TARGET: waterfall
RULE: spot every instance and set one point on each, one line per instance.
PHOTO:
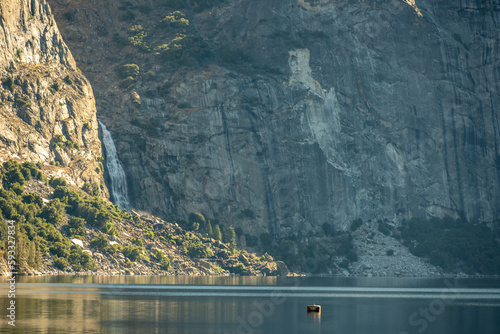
(115, 170)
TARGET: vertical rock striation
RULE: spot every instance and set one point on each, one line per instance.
(350, 109)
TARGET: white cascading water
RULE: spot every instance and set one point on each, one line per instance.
(115, 170)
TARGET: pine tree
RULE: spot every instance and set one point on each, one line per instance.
(22, 250)
(217, 234)
(38, 256)
(32, 254)
(209, 229)
(231, 238)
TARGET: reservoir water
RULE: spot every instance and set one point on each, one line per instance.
(219, 305)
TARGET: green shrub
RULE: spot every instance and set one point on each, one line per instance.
(32, 170)
(344, 264)
(189, 51)
(137, 242)
(128, 16)
(217, 233)
(91, 189)
(231, 238)
(60, 249)
(128, 70)
(8, 83)
(61, 263)
(77, 227)
(131, 252)
(184, 105)
(137, 38)
(33, 198)
(145, 9)
(53, 213)
(17, 188)
(68, 79)
(59, 181)
(12, 173)
(102, 243)
(165, 263)
(329, 229)
(149, 234)
(56, 86)
(197, 249)
(345, 245)
(158, 255)
(175, 21)
(109, 228)
(80, 260)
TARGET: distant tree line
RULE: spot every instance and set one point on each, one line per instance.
(455, 245)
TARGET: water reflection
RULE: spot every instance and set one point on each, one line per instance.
(125, 304)
(314, 318)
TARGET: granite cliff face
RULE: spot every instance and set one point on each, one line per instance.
(47, 106)
(324, 111)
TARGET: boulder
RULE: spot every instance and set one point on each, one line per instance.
(282, 268)
(77, 242)
(243, 259)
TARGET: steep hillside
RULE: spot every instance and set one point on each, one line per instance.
(56, 228)
(47, 106)
(281, 116)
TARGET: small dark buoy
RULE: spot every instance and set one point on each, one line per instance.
(314, 308)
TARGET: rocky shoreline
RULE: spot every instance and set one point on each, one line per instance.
(168, 239)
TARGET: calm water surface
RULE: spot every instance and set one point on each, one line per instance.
(219, 305)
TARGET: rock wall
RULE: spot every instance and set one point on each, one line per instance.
(47, 106)
(350, 109)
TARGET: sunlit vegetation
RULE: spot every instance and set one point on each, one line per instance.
(163, 260)
(133, 253)
(36, 223)
(68, 79)
(101, 243)
(39, 224)
(171, 38)
(137, 37)
(91, 189)
(45, 226)
(175, 21)
(185, 50)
